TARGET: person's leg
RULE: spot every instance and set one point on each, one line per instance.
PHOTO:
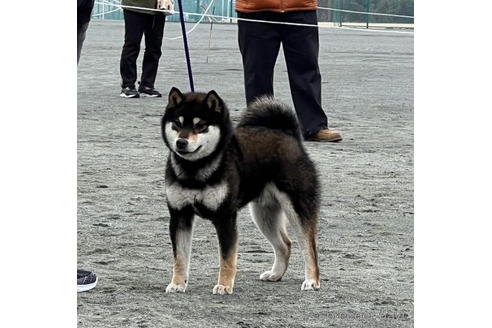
(259, 44)
(81, 29)
(86, 280)
(154, 31)
(301, 47)
(134, 29)
(84, 11)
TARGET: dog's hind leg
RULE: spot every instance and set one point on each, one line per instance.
(305, 227)
(308, 232)
(269, 218)
(181, 231)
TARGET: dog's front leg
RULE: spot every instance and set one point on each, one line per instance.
(181, 231)
(227, 235)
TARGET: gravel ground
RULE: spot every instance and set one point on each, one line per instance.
(366, 229)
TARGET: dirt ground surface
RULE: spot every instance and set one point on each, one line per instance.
(366, 229)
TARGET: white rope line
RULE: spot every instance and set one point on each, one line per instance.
(108, 3)
(194, 26)
(300, 24)
(262, 21)
(367, 30)
(105, 2)
(322, 8)
(364, 12)
(162, 11)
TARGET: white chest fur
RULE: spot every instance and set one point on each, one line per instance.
(211, 196)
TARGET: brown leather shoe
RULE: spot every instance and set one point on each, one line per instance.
(325, 135)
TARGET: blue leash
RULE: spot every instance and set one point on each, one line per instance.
(185, 42)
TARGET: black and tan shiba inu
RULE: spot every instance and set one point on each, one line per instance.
(213, 170)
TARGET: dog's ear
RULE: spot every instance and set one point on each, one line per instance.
(175, 97)
(214, 102)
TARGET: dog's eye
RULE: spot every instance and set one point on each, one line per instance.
(200, 127)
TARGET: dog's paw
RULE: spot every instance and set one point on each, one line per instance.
(310, 284)
(175, 288)
(222, 290)
(270, 276)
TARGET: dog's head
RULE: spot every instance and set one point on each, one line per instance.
(195, 125)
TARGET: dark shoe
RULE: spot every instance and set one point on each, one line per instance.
(325, 135)
(149, 92)
(129, 92)
(86, 280)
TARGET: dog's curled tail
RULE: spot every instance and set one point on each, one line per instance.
(267, 112)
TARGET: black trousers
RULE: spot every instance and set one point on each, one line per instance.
(81, 30)
(84, 10)
(260, 43)
(136, 25)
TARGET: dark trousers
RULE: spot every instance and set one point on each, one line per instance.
(136, 25)
(84, 10)
(81, 30)
(260, 43)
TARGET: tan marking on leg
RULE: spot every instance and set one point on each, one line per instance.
(227, 273)
(179, 280)
(180, 270)
(312, 268)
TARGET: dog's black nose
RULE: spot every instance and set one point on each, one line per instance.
(181, 144)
